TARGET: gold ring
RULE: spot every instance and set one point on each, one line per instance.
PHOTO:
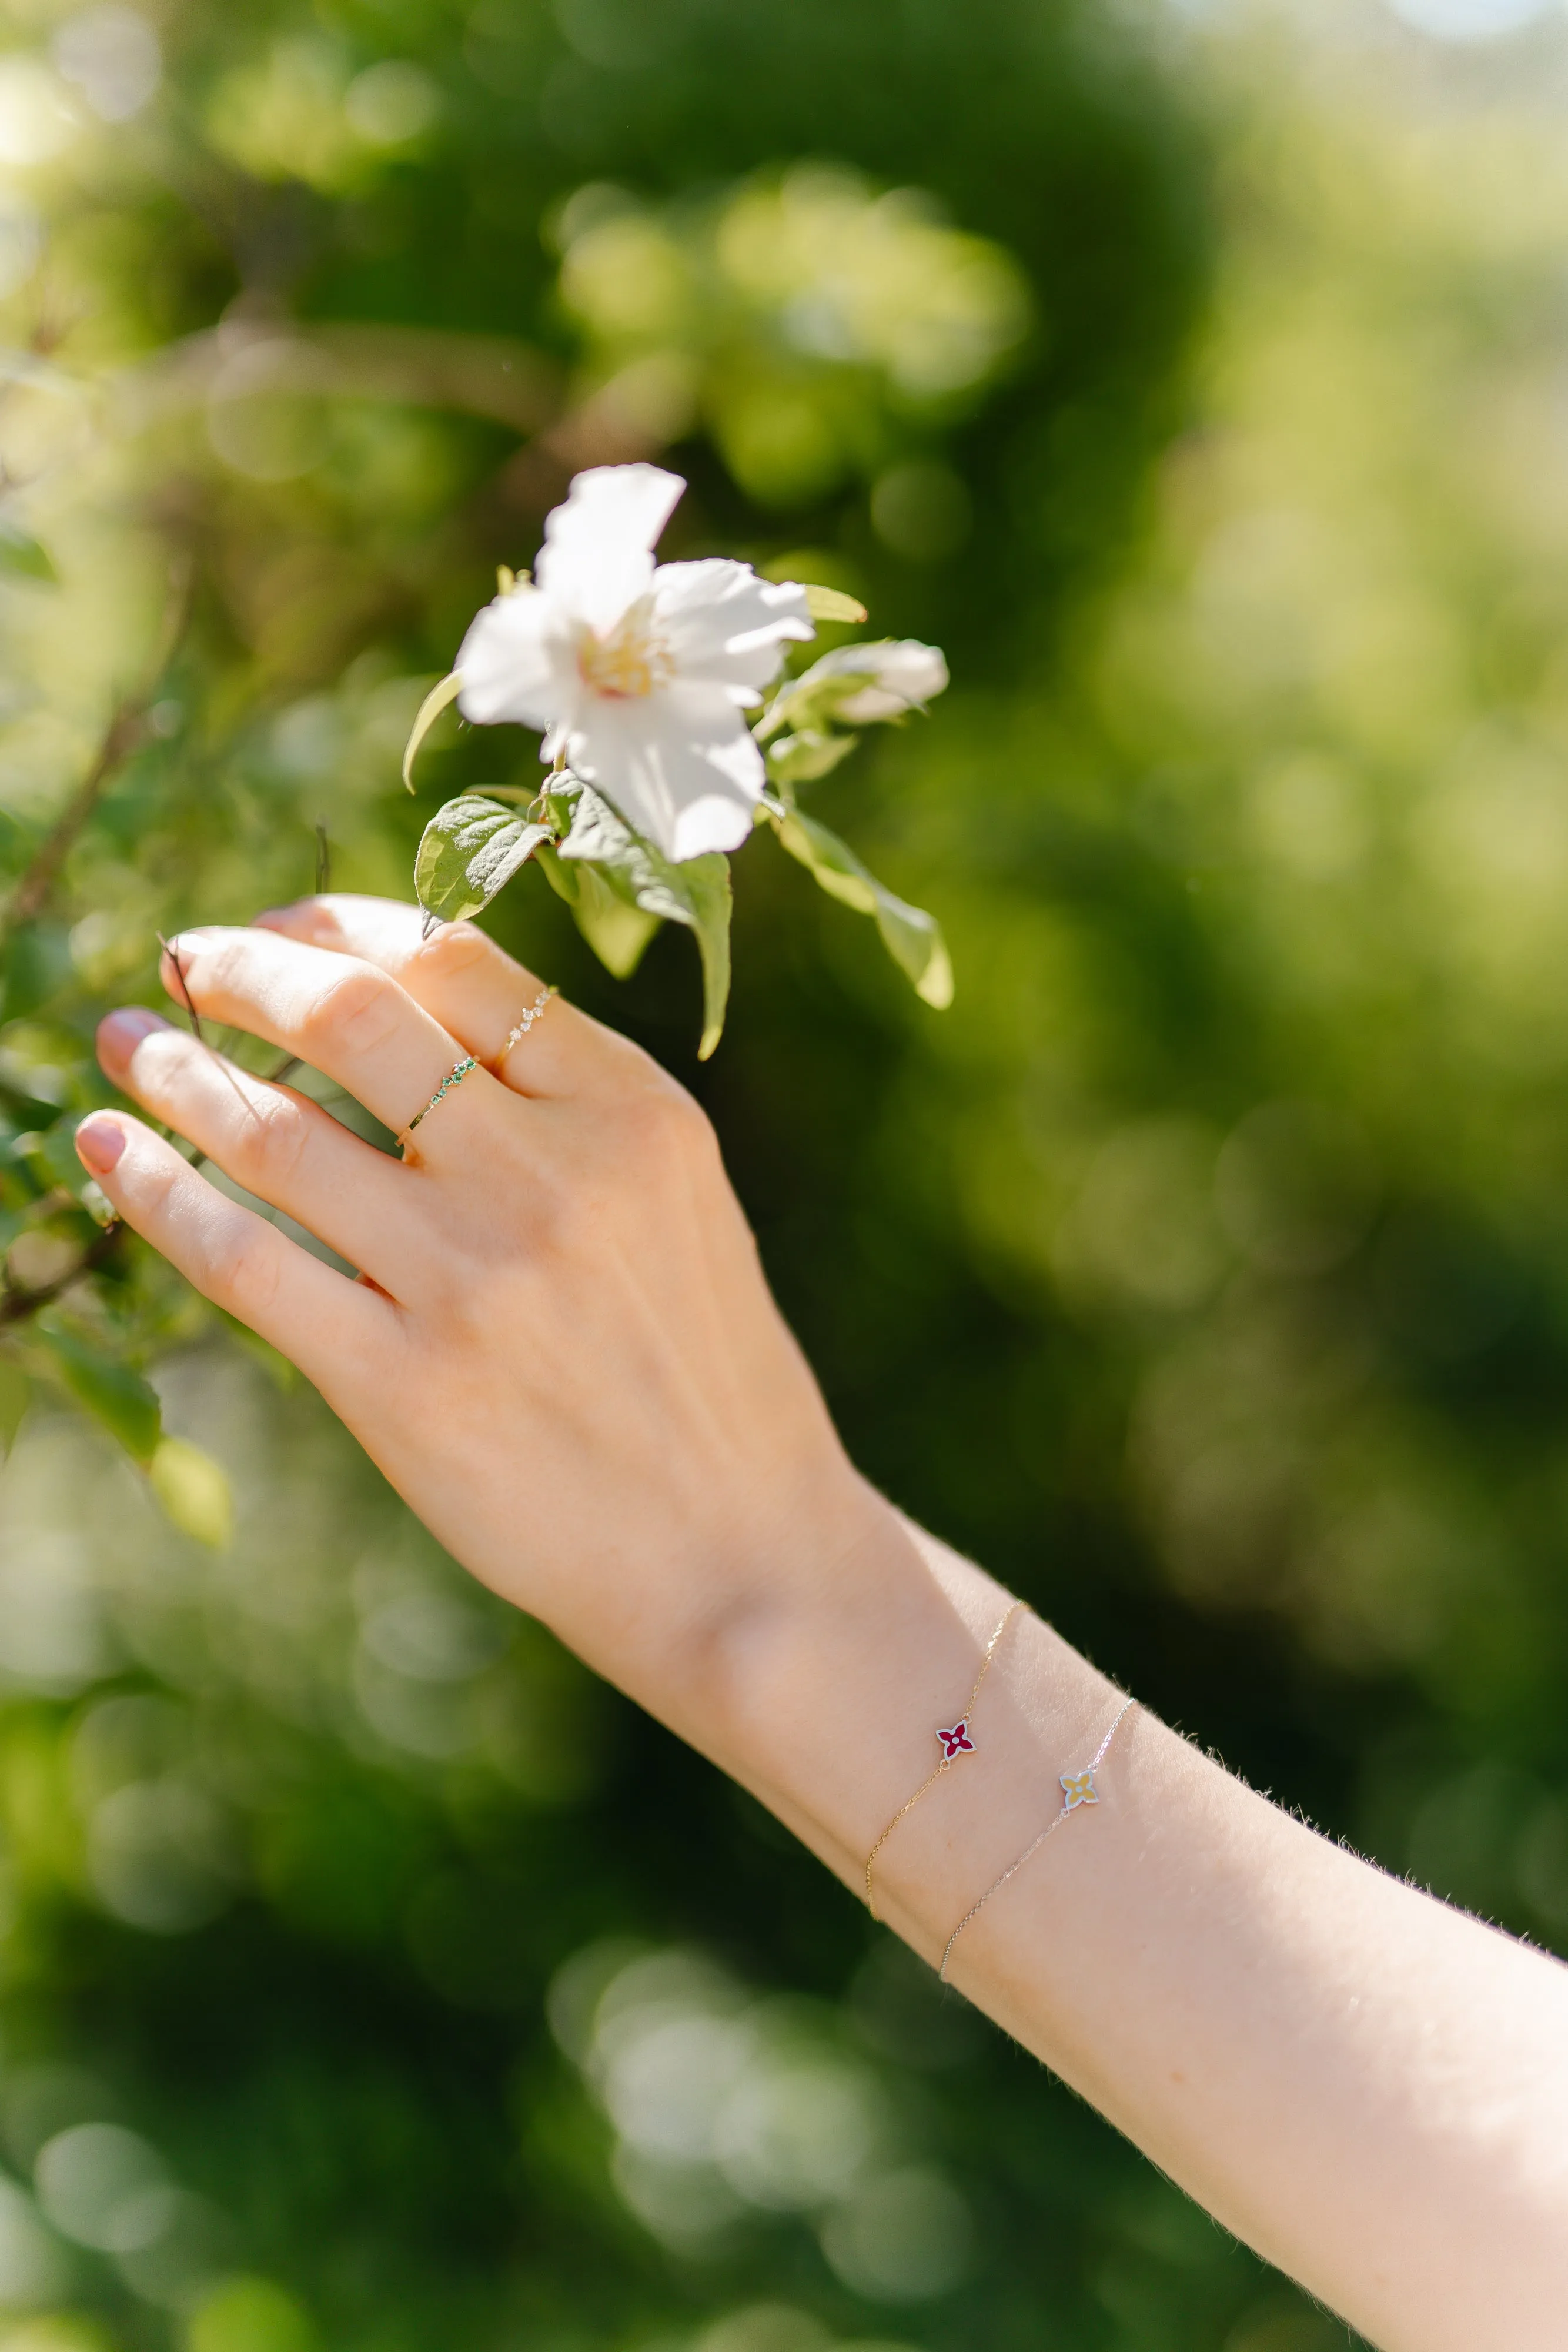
(536, 1011)
(454, 1077)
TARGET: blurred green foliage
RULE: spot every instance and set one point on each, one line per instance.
(369, 1978)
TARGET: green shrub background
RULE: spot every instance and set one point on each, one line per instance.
(370, 1978)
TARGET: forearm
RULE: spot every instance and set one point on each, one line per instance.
(1368, 2087)
(565, 1357)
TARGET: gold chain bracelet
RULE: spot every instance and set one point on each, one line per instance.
(955, 1742)
(1077, 1789)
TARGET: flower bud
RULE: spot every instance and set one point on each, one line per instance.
(899, 674)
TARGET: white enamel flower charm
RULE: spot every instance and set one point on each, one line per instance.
(638, 675)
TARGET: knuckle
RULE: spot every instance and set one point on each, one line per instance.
(159, 1064)
(357, 1009)
(452, 951)
(558, 1198)
(156, 1195)
(271, 1143)
(665, 1122)
(242, 1275)
(465, 1315)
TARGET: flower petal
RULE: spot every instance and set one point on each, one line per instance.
(718, 621)
(598, 555)
(680, 766)
(517, 663)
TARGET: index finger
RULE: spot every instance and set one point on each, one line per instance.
(343, 1016)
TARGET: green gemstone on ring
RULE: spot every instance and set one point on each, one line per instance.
(454, 1077)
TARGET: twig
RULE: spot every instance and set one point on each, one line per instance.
(323, 859)
(172, 950)
(122, 737)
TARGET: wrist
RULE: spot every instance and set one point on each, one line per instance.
(820, 1684)
(821, 1690)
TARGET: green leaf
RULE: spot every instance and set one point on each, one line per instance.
(51, 1154)
(194, 1492)
(37, 962)
(711, 899)
(470, 849)
(22, 557)
(803, 757)
(832, 604)
(97, 1204)
(447, 690)
(120, 1398)
(912, 938)
(695, 893)
(616, 932)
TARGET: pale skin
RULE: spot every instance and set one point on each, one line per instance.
(1368, 2087)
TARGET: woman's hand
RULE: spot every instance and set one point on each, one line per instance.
(561, 1351)
(561, 1348)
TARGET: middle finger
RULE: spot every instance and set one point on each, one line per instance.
(339, 1014)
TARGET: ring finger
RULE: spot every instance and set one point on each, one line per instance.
(279, 1145)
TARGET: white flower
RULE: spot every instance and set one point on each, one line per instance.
(639, 674)
(901, 674)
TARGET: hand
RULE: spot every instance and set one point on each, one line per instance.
(561, 1348)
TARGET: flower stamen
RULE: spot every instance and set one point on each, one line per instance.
(627, 664)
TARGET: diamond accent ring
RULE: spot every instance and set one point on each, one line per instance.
(535, 1011)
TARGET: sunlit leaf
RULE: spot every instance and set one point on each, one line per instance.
(832, 604)
(470, 849)
(21, 557)
(114, 1394)
(194, 1491)
(912, 938)
(696, 893)
(97, 1204)
(446, 691)
(708, 881)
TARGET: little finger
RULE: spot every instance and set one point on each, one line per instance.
(334, 1330)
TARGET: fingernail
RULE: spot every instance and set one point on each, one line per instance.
(99, 1142)
(188, 943)
(272, 918)
(125, 1030)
